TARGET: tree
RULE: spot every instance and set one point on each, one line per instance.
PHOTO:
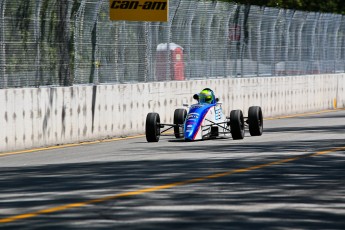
(330, 6)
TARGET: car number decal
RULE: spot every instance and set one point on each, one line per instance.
(218, 113)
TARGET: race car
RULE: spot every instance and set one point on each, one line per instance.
(205, 120)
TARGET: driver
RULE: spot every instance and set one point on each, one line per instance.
(206, 96)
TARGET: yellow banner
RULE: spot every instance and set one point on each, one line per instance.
(139, 10)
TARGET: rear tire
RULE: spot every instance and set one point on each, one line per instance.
(152, 127)
(237, 124)
(255, 121)
(179, 118)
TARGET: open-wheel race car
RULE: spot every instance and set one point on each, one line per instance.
(205, 120)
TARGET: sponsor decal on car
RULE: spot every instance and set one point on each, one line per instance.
(192, 116)
(189, 126)
(218, 115)
(196, 106)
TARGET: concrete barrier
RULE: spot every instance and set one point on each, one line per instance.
(36, 117)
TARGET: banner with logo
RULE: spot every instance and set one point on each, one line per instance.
(139, 10)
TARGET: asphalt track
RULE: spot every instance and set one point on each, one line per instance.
(292, 177)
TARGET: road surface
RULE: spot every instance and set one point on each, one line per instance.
(292, 177)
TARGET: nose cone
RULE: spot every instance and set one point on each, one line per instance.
(189, 135)
(194, 119)
(190, 129)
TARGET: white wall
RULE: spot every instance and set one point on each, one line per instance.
(36, 117)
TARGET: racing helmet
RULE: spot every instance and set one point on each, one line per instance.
(206, 96)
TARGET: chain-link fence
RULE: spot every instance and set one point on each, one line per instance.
(66, 42)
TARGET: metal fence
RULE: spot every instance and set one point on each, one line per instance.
(66, 42)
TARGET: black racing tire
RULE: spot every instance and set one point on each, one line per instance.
(179, 118)
(152, 127)
(255, 121)
(237, 124)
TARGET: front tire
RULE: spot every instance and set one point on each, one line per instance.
(255, 121)
(179, 118)
(237, 124)
(152, 127)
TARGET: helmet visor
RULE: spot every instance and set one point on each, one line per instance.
(205, 98)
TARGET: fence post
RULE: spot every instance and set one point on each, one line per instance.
(78, 25)
(3, 75)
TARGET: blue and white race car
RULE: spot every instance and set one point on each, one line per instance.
(206, 120)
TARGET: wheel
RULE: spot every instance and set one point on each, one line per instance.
(152, 127)
(179, 118)
(255, 121)
(237, 124)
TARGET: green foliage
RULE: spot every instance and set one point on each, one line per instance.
(330, 6)
(23, 14)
